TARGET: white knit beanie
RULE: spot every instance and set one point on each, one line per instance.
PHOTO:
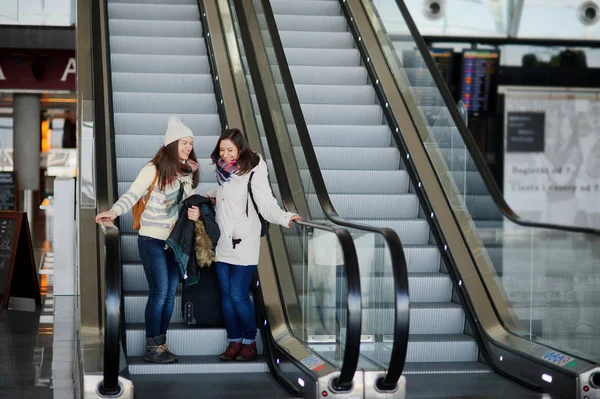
(176, 130)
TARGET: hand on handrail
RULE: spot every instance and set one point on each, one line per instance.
(109, 215)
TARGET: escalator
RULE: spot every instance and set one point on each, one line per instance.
(152, 59)
(366, 177)
(393, 151)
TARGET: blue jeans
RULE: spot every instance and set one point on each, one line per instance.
(238, 309)
(163, 276)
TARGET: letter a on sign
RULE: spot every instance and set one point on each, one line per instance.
(2, 77)
(71, 68)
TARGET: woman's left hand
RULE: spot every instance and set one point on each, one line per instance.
(193, 213)
(294, 218)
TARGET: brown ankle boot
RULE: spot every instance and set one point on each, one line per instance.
(248, 352)
(232, 351)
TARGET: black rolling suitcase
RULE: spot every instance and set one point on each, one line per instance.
(201, 302)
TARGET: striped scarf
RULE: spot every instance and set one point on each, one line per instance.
(225, 170)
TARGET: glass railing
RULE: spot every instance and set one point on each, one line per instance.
(545, 277)
(384, 332)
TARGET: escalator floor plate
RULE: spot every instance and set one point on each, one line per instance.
(201, 386)
(463, 386)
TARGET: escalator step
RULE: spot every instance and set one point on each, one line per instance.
(153, 12)
(142, 63)
(158, 45)
(132, 27)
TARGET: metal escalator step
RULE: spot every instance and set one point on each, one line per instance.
(410, 231)
(174, 103)
(458, 159)
(448, 136)
(129, 248)
(128, 168)
(334, 75)
(419, 258)
(153, 12)
(470, 183)
(168, 2)
(425, 320)
(330, 94)
(145, 146)
(371, 206)
(132, 27)
(419, 77)
(438, 320)
(361, 181)
(428, 288)
(157, 46)
(333, 114)
(142, 63)
(309, 23)
(335, 94)
(301, 7)
(483, 207)
(427, 96)
(156, 124)
(441, 349)
(183, 340)
(197, 365)
(162, 83)
(410, 58)
(346, 135)
(351, 158)
(304, 39)
(135, 303)
(134, 277)
(319, 57)
(447, 368)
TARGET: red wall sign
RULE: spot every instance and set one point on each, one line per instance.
(37, 69)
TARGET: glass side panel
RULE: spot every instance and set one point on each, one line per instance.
(544, 278)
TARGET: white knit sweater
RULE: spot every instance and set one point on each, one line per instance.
(162, 208)
(231, 201)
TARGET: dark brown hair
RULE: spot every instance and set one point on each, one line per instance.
(169, 166)
(247, 159)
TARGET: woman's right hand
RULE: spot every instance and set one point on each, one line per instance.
(112, 215)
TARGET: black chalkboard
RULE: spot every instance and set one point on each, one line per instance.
(8, 191)
(525, 132)
(18, 274)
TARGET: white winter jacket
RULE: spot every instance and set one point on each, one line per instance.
(232, 220)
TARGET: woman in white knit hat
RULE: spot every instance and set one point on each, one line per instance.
(171, 177)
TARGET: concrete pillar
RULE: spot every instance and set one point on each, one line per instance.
(26, 144)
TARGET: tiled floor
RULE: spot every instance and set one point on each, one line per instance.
(38, 345)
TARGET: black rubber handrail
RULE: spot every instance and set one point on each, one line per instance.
(105, 174)
(468, 139)
(398, 260)
(112, 314)
(351, 267)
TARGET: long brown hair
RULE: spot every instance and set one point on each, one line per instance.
(247, 159)
(169, 167)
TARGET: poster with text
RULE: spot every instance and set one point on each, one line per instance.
(552, 156)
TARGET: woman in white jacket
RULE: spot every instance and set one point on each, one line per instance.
(238, 247)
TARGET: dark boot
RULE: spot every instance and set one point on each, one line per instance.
(232, 351)
(248, 352)
(162, 340)
(155, 352)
